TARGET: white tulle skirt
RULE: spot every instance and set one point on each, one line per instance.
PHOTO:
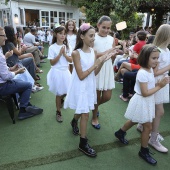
(162, 96)
(141, 109)
(58, 81)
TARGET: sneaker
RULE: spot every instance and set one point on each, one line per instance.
(158, 146)
(139, 127)
(39, 88)
(25, 115)
(59, 117)
(33, 109)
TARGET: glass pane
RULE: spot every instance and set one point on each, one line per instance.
(68, 16)
(51, 13)
(46, 13)
(52, 20)
(55, 14)
(42, 13)
(71, 15)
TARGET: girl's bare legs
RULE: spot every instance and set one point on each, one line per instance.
(123, 70)
(102, 97)
(128, 125)
(120, 134)
(159, 112)
(58, 106)
(147, 127)
(83, 124)
(144, 151)
(83, 145)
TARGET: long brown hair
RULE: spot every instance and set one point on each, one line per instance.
(57, 30)
(74, 29)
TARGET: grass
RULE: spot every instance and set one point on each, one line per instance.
(41, 143)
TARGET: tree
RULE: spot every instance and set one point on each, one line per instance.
(94, 8)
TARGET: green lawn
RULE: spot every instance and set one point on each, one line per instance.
(41, 143)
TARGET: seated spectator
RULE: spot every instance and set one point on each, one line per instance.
(10, 86)
(129, 79)
(32, 46)
(132, 65)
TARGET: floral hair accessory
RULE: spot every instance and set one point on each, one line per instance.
(84, 26)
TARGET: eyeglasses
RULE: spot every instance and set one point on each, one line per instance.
(3, 36)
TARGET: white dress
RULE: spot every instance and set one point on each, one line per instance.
(142, 109)
(105, 78)
(72, 41)
(81, 94)
(58, 78)
(162, 96)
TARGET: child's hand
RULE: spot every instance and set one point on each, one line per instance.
(161, 83)
(62, 50)
(8, 54)
(99, 61)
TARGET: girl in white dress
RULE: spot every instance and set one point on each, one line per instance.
(71, 32)
(141, 108)
(58, 77)
(81, 95)
(162, 40)
(105, 79)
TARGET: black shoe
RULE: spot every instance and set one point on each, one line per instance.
(147, 157)
(86, 149)
(33, 109)
(25, 115)
(121, 137)
(75, 128)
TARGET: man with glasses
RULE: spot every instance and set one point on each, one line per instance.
(10, 86)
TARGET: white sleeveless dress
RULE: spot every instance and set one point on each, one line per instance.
(162, 96)
(81, 95)
(105, 78)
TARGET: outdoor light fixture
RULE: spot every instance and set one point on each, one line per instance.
(152, 9)
(121, 25)
(16, 20)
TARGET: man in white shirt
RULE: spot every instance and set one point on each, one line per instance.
(29, 41)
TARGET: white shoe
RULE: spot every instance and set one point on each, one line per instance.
(39, 88)
(158, 146)
(139, 127)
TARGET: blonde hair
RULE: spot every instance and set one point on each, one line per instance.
(162, 37)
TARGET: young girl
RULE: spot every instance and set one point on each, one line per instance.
(58, 77)
(105, 79)
(143, 100)
(71, 32)
(81, 95)
(162, 40)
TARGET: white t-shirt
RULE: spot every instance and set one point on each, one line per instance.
(29, 39)
(53, 52)
(144, 76)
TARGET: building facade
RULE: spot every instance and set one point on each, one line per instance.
(43, 13)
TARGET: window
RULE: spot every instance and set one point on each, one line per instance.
(6, 17)
(45, 18)
(61, 16)
(53, 18)
(69, 16)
